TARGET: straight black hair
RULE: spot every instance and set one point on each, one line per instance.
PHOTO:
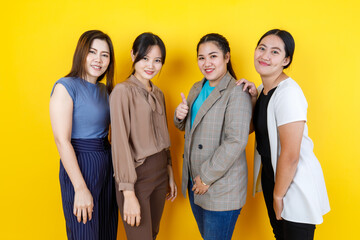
(222, 44)
(143, 44)
(81, 52)
(289, 42)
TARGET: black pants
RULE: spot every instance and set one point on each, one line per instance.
(283, 230)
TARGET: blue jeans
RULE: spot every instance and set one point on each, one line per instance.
(213, 225)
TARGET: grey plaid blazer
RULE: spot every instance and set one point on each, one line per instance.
(215, 145)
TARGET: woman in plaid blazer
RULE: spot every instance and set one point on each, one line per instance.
(216, 118)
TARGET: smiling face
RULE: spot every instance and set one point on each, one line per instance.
(149, 65)
(269, 57)
(212, 62)
(97, 60)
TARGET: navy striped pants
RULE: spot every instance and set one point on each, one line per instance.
(94, 158)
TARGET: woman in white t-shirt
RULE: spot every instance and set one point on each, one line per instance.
(291, 176)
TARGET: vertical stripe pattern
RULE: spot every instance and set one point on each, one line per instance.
(94, 159)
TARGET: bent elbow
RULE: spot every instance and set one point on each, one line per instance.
(293, 159)
(290, 158)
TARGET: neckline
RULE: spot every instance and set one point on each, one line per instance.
(141, 85)
(207, 84)
(279, 84)
(269, 93)
(89, 83)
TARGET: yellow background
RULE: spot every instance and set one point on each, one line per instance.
(38, 39)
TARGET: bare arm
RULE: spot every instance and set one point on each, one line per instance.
(290, 140)
(172, 193)
(61, 110)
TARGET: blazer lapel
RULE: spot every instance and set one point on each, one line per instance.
(190, 100)
(209, 102)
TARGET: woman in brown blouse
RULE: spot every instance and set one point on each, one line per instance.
(140, 142)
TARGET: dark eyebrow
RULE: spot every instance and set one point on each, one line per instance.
(271, 48)
(97, 50)
(208, 54)
(276, 48)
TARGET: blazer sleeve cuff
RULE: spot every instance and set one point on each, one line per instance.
(180, 124)
(177, 121)
(205, 179)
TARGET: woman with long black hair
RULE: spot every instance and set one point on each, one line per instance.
(215, 117)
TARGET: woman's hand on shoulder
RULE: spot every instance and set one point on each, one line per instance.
(172, 193)
(249, 86)
(182, 109)
(131, 209)
(83, 204)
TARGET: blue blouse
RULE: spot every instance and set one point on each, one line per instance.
(205, 92)
(91, 112)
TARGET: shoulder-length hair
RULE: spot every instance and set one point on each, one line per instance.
(81, 52)
(142, 45)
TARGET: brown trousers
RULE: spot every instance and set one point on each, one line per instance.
(150, 189)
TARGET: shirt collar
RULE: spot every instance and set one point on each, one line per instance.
(149, 96)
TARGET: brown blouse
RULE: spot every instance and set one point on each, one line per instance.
(138, 128)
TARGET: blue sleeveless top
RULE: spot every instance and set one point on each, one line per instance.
(91, 111)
